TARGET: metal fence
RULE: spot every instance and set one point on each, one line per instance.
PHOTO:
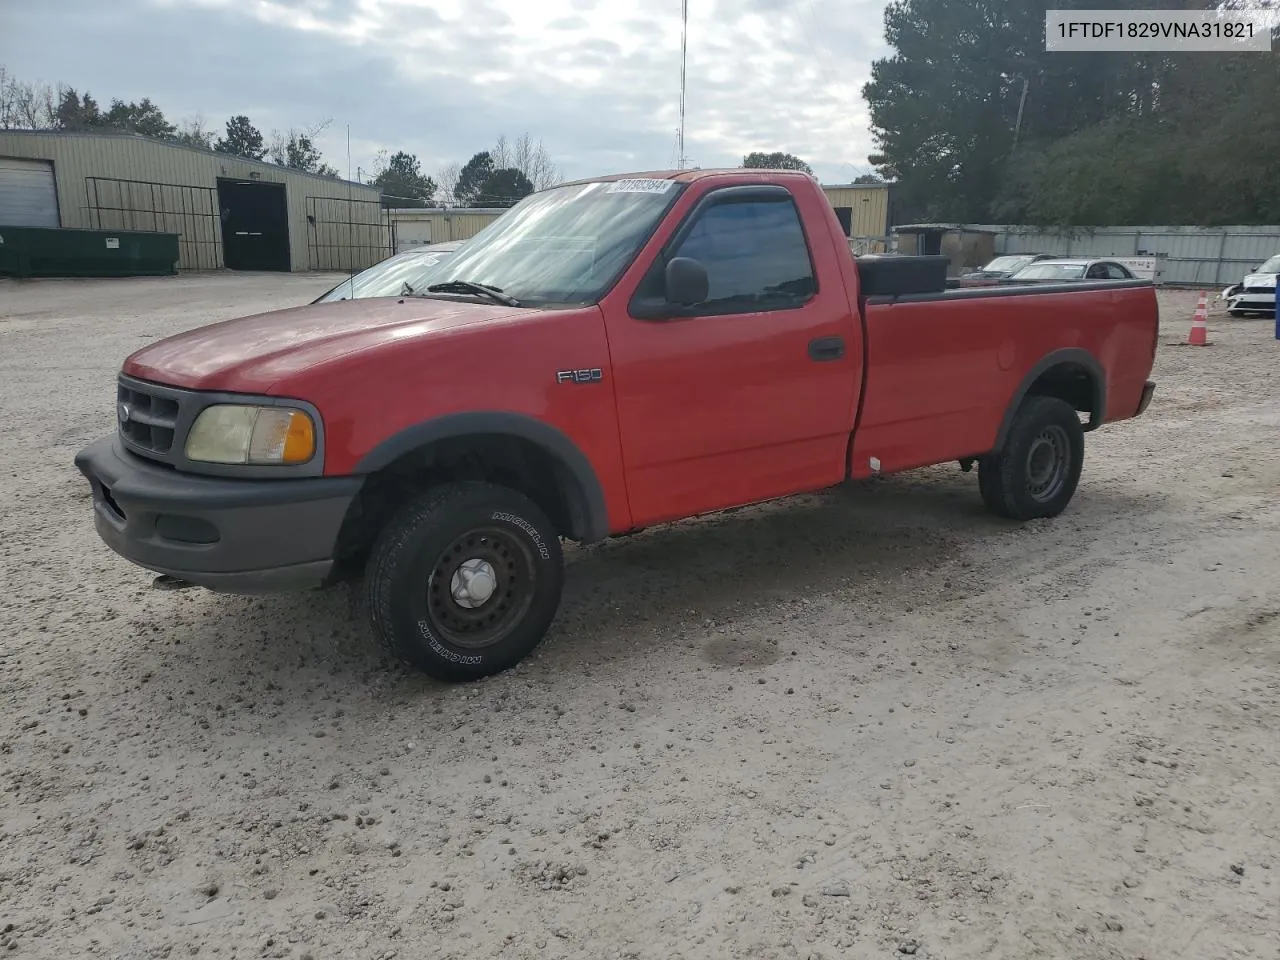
(1196, 256)
(346, 235)
(189, 211)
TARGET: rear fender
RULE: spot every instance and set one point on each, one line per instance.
(1066, 356)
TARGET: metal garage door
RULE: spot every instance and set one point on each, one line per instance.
(412, 233)
(28, 196)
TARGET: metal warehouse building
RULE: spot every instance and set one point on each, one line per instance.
(228, 211)
(866, 211)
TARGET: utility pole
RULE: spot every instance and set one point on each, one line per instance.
(1022, 102)
(684, 31)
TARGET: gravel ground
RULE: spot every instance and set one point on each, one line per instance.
(872, 722)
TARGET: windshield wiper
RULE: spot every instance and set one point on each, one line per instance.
(480, 289)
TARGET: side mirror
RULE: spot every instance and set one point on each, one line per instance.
(686, 281)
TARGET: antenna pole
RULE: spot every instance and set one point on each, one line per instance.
(684, 32)
(350, 203)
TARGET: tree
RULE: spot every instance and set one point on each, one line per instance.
(472, 177)
(401, 182)
(969, 94)
(531, 159)
(447, 180)
(298, 151)
(193, 133)
(76, 111)
(503, 188)
(26, 106)
(775, 161)
(243, 139)
(143, 118)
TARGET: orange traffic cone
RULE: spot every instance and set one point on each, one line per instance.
(1199, 336)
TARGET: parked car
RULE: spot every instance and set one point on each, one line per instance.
(1066, 269)
(611, 354)
(1256, 293)
(391, 277)
(1005, 265)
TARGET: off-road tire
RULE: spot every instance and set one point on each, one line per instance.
(414, 568)
(1015, 483)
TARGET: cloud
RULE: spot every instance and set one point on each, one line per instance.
(443, 78)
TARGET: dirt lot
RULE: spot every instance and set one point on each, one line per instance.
(853, 724)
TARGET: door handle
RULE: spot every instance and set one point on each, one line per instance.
(826, 348)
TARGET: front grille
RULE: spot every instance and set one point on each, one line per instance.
(148, 419)
(1265, 290)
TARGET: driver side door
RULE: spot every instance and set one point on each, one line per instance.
(749, 395)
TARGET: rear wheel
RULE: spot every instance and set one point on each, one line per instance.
(465, 581)
(1036, 473)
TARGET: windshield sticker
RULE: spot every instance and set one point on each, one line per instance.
(640, 186)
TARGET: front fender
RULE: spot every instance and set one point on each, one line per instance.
(575, 464)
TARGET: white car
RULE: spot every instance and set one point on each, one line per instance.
(1256, 293)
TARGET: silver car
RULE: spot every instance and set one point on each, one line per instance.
(397, 275)
(1068, 269)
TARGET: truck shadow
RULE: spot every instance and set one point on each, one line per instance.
(627, 597)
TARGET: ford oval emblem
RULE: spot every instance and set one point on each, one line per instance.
(124, 412)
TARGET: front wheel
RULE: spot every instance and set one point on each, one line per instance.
(464, 581)
(1036, 473)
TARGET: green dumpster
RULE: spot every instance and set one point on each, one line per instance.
(49, 252)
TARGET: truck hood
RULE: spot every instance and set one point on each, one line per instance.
(1259, 280)
(251, 354)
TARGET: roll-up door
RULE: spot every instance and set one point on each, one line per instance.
(28, 194)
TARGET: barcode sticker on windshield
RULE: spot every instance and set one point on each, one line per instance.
(640, 186)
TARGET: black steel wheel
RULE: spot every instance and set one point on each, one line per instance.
(1048, 463)
(465, 581)
(482, 585)
(1036, 473)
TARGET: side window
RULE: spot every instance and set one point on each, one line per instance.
(1097, 272)
(1117, 272)
(755, 254)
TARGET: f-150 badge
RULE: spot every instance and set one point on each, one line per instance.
(592, 375)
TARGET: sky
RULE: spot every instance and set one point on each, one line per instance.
(597, 81)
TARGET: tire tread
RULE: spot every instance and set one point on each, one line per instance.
(388, 551)
(998, 473)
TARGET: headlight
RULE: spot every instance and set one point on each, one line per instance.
(229, 433)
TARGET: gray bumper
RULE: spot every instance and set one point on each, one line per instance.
(237, 536)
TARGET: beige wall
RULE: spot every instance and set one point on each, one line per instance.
(182, 182)
(451, 224)
(869, 204)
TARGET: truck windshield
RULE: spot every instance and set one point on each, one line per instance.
(563, 245)
(1271, 266)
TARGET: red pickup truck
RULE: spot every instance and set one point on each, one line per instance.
(607, 355)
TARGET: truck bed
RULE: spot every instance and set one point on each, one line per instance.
(942, 366)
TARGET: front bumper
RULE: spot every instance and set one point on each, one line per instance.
(236, 536)
(1264, 302)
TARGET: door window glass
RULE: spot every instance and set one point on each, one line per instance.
(755, 254)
